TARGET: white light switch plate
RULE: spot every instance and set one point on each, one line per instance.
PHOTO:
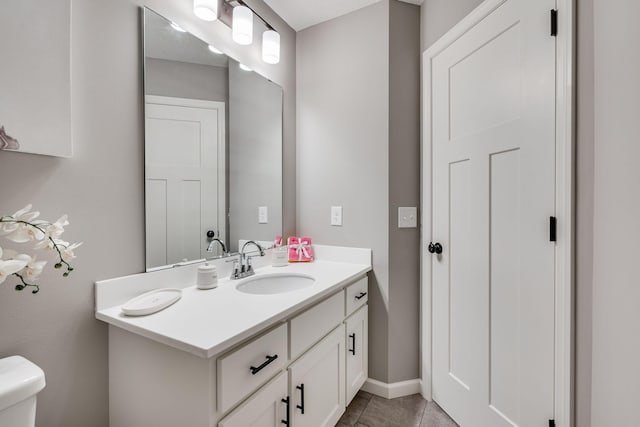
(407, 217)
(336, 215)
(263, 215)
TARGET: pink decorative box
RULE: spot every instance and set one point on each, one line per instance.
(300, 249)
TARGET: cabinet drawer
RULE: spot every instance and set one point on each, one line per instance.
(243, 370)
(357, 295)
(309, 327)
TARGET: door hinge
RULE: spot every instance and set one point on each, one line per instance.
(552, 423)
(554, 22)
(552, 228)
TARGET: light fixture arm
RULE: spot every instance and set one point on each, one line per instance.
(242, 3)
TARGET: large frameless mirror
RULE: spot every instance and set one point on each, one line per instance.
(213, 149)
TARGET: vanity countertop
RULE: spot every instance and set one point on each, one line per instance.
(208, 322)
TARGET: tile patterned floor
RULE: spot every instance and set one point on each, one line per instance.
(367, 410)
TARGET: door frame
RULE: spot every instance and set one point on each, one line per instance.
(220, 108)
(564, 201)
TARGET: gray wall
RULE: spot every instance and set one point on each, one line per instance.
(186, 80)
(438, 16)
(404, 190)
(616, 237)
(343, 148)
(255, 156)
(359, 73)
(101, 188)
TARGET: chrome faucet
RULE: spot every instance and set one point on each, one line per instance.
(242, 267)
(213, 240)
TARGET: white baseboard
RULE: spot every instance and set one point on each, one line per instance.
(392, 390)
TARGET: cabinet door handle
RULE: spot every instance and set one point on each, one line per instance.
(361, 295)
(286, 402)
(352, 350)
(301, 405)
(270, 359)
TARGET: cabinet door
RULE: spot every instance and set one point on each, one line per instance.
(317, 383)
(268, 407)
(357, 351)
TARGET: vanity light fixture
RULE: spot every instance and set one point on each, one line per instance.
(244, 67)
(242, 25)
(271, 47)
(242, 30)
(207, 10)
(177, 27)
(214, 50)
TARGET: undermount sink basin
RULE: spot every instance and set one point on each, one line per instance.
(277, 283)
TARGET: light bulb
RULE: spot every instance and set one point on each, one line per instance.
(244, 67)
(242, 31)
(271, 47)
(207, 10)
(214, 50)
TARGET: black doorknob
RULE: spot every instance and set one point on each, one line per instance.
(435, 248)
(211, 234)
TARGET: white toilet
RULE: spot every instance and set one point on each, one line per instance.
(20, 382)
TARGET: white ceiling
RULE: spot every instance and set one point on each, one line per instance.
(301, 14)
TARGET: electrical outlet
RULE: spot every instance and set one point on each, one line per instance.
(407, 217)
(263, 215)
(336, 215)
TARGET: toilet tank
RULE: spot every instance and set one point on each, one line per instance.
(20, 382)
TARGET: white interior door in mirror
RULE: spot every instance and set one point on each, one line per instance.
(185, 177)
(35, 77)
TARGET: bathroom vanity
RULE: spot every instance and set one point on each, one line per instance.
(235, 356)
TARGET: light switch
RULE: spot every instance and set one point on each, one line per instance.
(407, 217)
(263, 215)
(336, 215)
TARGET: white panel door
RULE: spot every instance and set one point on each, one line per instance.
(493, 183)
(182, 175)
(317, 383)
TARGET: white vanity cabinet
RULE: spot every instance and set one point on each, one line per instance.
(300, 371)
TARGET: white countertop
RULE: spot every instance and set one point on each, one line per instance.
(208, 322)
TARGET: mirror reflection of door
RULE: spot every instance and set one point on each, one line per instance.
(183, 140)
(213, 148)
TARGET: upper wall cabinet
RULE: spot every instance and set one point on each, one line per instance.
(35, 76)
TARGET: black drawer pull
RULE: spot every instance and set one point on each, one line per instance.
(286, 402)
(270, 359)
(361, 295)
(352, 350)
(301, 405)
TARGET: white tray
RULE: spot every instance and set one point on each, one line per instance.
(151, 302)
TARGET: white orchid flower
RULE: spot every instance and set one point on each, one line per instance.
(56, 229)
(48, 244)
(7, 268)
(8, 227)
(25, 214)
(33, 268)
(25, 233)
(67, 252)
